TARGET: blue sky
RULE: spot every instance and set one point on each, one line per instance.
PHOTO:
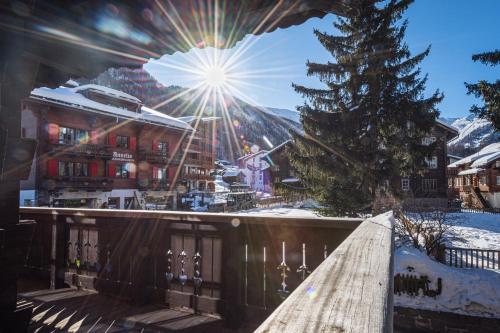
(456, 29)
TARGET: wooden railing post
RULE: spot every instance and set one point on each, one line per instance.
(232, 276)
(58, 252)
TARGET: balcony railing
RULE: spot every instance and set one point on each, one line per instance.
(88, 150)
(159, 157)
(197, 177)
(239, 267)
(154, 184)
(70, 182)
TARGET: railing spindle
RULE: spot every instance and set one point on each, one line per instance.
(264, 278)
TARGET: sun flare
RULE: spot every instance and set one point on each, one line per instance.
(215, 76)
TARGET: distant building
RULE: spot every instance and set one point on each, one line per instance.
(431, 188)
(476, 178)
(200, 154)
(282, 176)
(255, 171)
(100, 148)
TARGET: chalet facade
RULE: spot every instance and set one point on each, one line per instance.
(100, 148)
(282, 176)
(475, 179)
(200, 153)
(431, 187)
(255, 171)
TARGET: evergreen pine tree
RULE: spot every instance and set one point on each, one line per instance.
(364, 129)
(488, 91)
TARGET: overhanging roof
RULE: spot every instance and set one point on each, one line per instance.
(84, 38)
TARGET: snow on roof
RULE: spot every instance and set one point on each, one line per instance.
(290, 180)
(446, 126)
(190, 119)
(72, 98)
(109, 92)
(485, 160)
(281, 145)
(472, 171)
(231, 172)
(483, 153)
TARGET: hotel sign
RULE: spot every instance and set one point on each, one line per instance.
(126, 157)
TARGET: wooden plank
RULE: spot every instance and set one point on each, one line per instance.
(351, 291)
(213, 218)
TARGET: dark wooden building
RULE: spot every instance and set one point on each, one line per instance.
(100, 148)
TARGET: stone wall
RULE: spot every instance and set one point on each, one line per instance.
(408, 320)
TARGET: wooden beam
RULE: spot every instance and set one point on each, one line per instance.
(312, 222)
(351, 291)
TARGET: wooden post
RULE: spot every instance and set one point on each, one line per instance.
(17, 75)
(232, 276)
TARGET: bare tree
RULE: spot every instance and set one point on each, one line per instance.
(424, 227)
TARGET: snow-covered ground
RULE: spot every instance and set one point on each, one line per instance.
(281, 211)
(469, 291)
(475, 230)
(466, 291)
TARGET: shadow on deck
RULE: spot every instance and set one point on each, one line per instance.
(75, 310)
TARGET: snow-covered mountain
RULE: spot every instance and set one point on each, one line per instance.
(284, 113)
(474, 134)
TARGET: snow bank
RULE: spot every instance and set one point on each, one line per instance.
(466, 291)
(281, 211)
(475, 230)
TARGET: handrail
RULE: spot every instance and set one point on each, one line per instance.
(324, 222)
(351, 291)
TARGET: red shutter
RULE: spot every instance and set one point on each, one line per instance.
(52, 166)
(132, 171)
(94, 135)
(112, 139)
(155, 172)
(53, 130)
(154, 145)
(93, 169)
(111, 170)
(133, 143)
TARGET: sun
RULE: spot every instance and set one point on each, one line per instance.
(215, 76)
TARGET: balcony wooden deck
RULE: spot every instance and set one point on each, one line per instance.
(234, 268)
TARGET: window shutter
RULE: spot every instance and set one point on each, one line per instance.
(155, 172)
(93, 169)
(111, 170)
(94, 135)
(112, 139)
(53, 130)
(154, 145)
(132, 170)
(52, 166)
(133, 143)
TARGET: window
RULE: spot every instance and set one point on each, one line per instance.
(429, 185)
(483, 180)
(162, 147)
(497, 164)
(81, 136)
(428, 140)
(122, 141)
(66, 169)
(66, 135)
(405, 184)
(160, 173)
(432, 163)
(467, 180)
(121, 171)
(81, 169)
(458, 182)
(498, 180)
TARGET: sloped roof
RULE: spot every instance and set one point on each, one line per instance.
(484, 156)
(72, 98)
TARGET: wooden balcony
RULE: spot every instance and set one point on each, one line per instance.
(154, 184)
(197, 177)
(159, 157)
(228, 266)
(81, 150)
(78, 183)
